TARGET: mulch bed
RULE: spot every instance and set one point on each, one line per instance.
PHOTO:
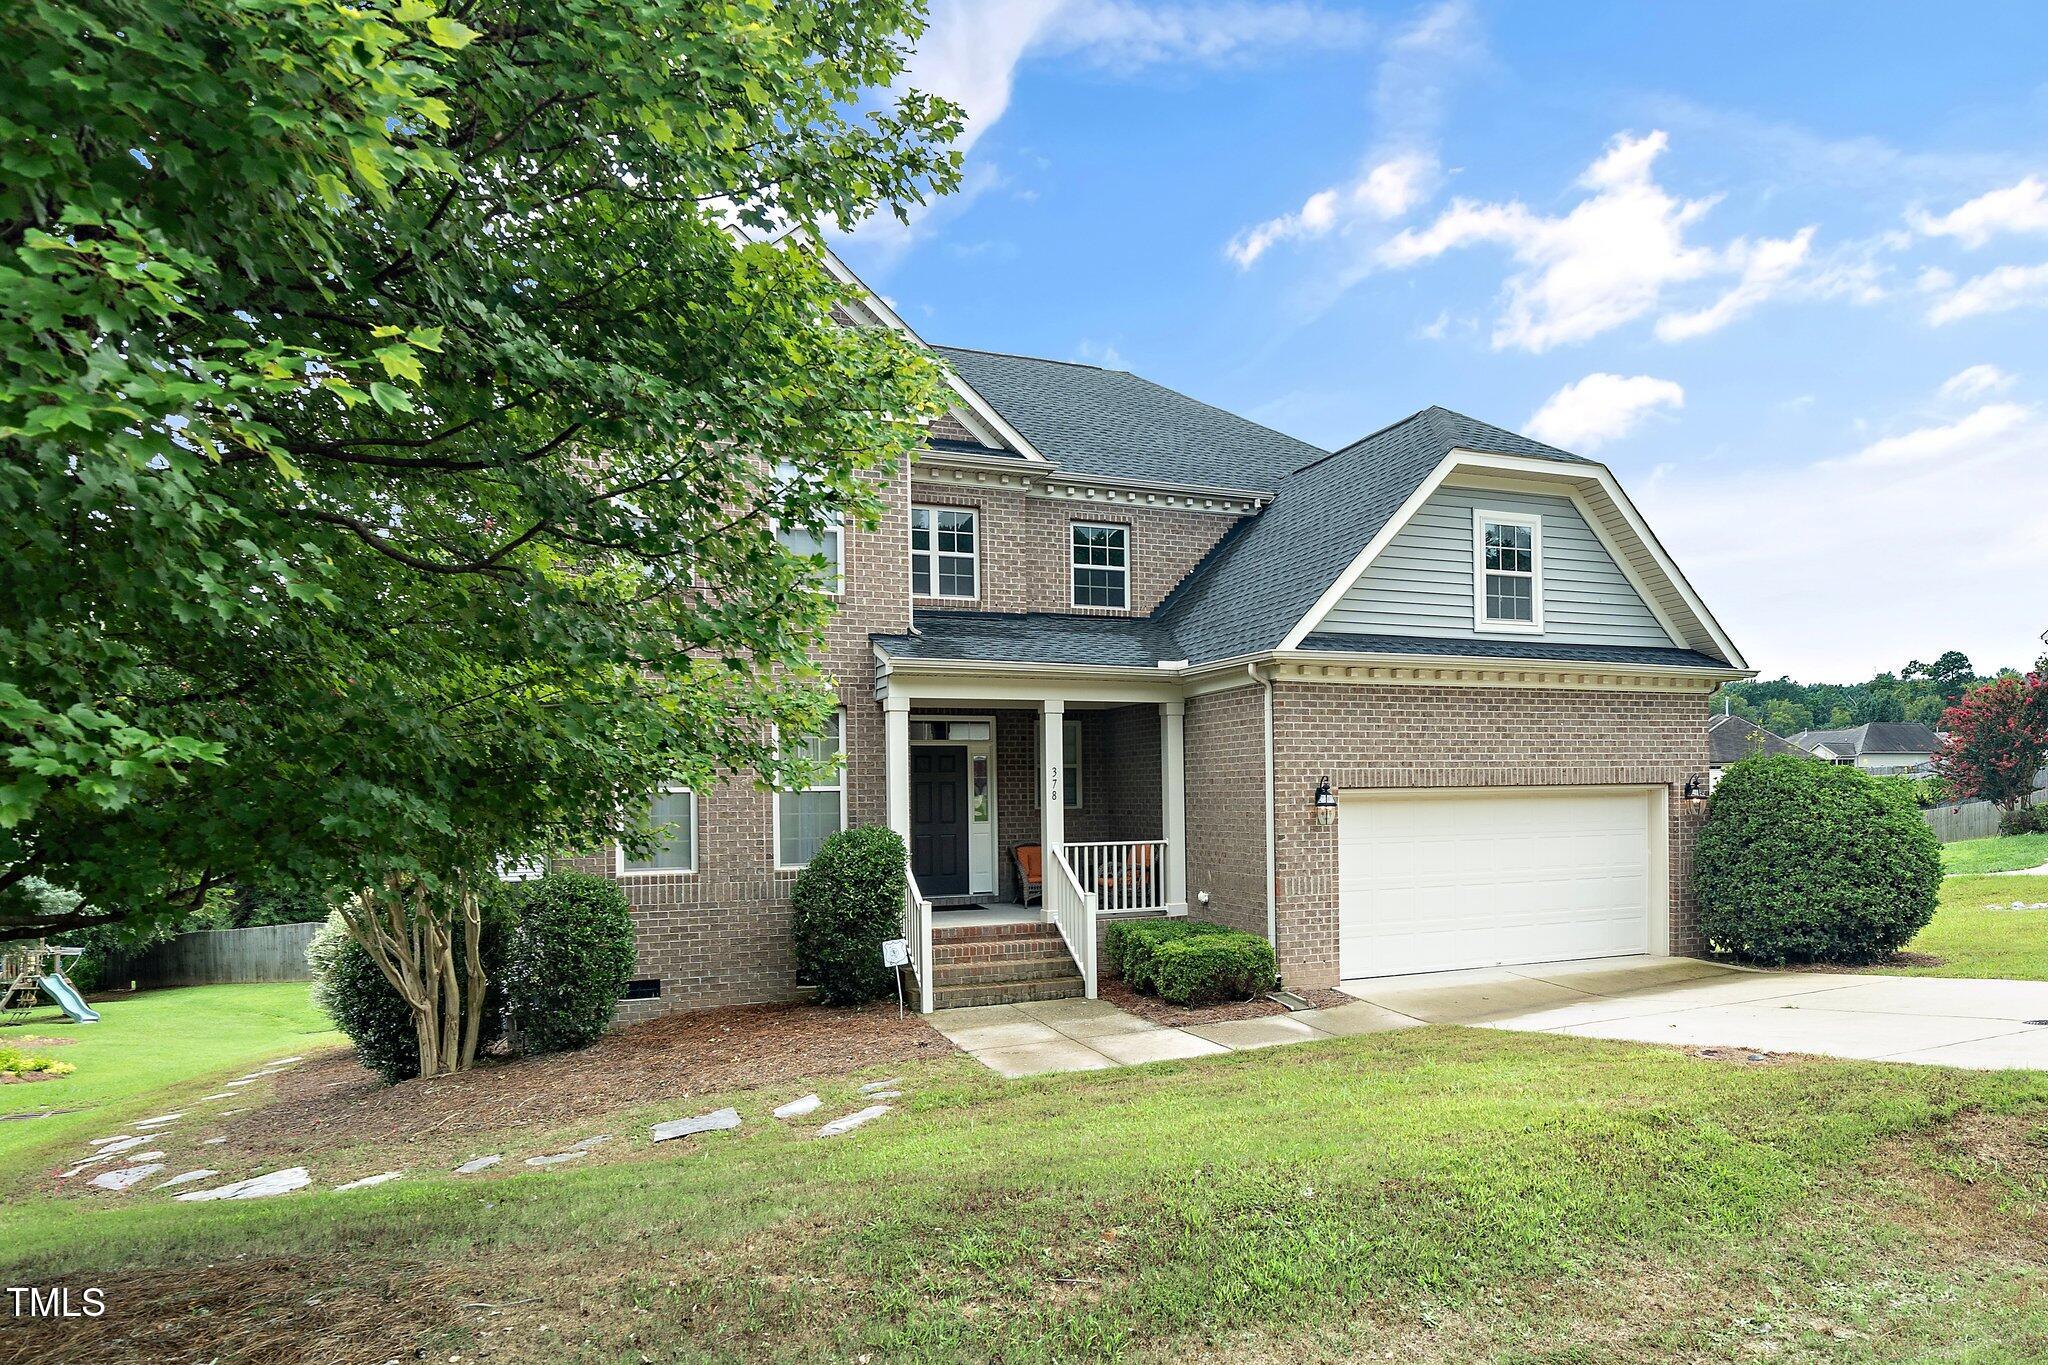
(1156, 1011)
(331, 1098)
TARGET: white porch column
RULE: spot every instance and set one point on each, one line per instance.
(1173, 802)
(896, 762)
(1052, 805)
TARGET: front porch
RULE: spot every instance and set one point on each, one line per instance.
(1033, 821)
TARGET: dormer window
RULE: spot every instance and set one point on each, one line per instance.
(1507, 584)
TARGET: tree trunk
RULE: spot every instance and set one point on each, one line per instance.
(409, 932)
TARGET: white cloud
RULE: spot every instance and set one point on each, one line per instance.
(1403, 171)
(1976, 381)
(1601, 408)
(1103, 353)
(1767, 266)
(2020, 208)
(1995, 291)
(1125, 35)
(1833, 568)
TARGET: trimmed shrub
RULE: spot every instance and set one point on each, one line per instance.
(350, 989)
(1189, 961)
(2024, 820)
(846, 903)
(567, 961)
(1812, 862)
(1130, 947)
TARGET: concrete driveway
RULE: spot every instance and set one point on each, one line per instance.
(1937, 1021)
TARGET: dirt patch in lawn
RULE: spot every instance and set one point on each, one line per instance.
(1154, 1010)
(331, 1098)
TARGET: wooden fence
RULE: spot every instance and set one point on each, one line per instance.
(212, 957)
(1971, 820)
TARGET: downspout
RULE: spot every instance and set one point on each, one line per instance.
(1272, 862)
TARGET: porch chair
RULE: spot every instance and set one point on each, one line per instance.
(1030, 864)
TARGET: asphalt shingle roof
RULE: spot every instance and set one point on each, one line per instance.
(1033, 637)
(1112, 424)
(1248, 592)
(1730, 738)
(1538, 650)
(1877, 737)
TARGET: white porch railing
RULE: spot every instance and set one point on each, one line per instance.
(1125, 875)
(917, 928)
(1073, 910)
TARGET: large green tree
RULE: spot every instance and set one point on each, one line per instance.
(397, 403)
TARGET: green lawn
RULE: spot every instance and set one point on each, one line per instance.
(1977, 932)
(2008, 853)
(1434, 1194)
(148, 1050)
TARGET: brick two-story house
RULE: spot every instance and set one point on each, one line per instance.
(1432, 700)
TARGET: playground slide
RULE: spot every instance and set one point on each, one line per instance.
(68, 1000)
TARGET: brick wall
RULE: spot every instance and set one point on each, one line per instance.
(1394, 736)
(1224, 741)
(1026, 544)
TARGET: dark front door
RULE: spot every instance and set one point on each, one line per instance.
(938, 819)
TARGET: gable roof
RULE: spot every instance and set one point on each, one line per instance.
(1252, 588)
(1114, 425)
(1730, 738)
(1877, 737)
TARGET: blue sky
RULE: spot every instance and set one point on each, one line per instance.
(1783, 268)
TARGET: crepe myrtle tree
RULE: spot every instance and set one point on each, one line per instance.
(397, 405)
(1996, 739)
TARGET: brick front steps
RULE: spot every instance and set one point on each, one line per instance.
(1001, 964)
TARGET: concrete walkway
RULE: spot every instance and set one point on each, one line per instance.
(1940, 1021)
(1093, 1035)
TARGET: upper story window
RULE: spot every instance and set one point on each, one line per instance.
(1101, 565)
(673, 814)
(823, 541)
(805, 819)
(945, 553)
(1507, 588)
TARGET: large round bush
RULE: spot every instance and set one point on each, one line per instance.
(1804, 861)
(350, 988)
(569, 958)
(846, 903)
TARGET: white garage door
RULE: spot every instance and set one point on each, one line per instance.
(1429, 882)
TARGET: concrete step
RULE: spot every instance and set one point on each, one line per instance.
(1008, 992)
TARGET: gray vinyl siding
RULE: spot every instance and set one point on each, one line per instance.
(1421, 584)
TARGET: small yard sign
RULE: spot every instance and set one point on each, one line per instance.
(896, 956)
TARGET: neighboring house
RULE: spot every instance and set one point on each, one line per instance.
(1879, 747)
(1731, 738)
(1429, 701)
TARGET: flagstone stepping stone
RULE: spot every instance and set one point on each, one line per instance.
(187, 1178)
(114, 1146)
(217, 1095)
(596, 1140)
(211, 1141)
(885, 1094)
(478, 1163)
(796, 1109)
(718, 1120)
(101, 1142)
(557, 1158)
(126, 1176)
(853, 1120)
(256, 1186)
(872, 1086)
(160, 1120)
(246, 1080)
(368, 1181)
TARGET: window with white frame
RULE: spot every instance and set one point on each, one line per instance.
(823, 540)
(1507, 584)
(672, 814)
(1070, 768)
(1101, 565)
(945, 552)
(806, 818)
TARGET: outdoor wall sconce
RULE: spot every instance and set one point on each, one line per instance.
(1326, 803)
(1695, 790)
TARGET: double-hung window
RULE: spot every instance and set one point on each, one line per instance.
(673, 816)
(805, 818)
(820, 540)
(1507, 579)
(945, 553)
(1101, 558)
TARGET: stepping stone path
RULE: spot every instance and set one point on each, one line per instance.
(368, 1181)
(796, 1109)
(187, 1178)
(557, 1158)
(126, 1176)
(598, 1140)
(160, 1120)
(873, 1086)
(256, 1187)
(217, 1095)
(853, 1120)
(716, 1121)
(478, 1163)
(101, 1142)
